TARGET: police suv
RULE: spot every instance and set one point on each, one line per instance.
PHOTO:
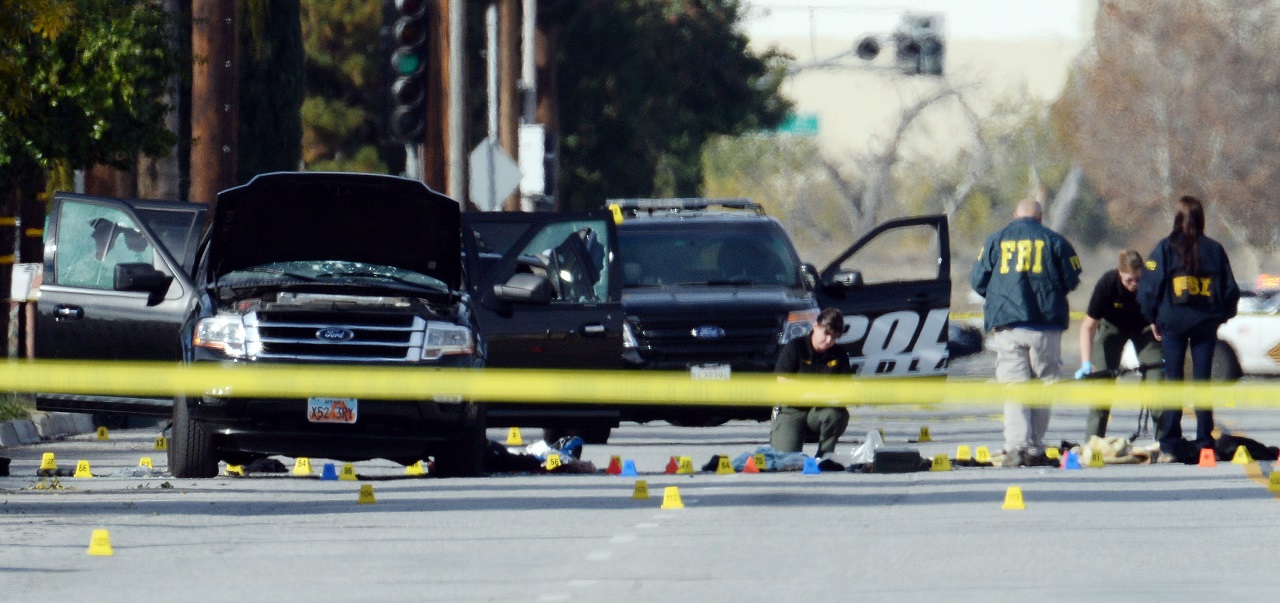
(703, 286)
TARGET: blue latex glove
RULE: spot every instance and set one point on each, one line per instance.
(1086, 367)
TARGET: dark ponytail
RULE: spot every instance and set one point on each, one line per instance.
(1188, 225)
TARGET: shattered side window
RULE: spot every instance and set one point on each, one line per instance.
(573, 255)
(92, 241)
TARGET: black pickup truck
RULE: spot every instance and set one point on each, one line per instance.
(300, 268)
(706, 287)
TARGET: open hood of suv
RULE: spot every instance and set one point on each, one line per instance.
(305, 216)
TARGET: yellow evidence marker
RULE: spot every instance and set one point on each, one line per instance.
(102, 434)
(924, 435)
(940, 463)
(685, 466)
(513, 437)
(145, 462)
(47, 463)
(347, 473)
(760, 461)
(1052, 453)
(235, 470)
(723, 467)
(1241, 457)
(162, 443)
(1013, 499)
(1095, 459)
(671, 498)
(982, 455)
(100, 544)
(553, 462)
(641, 491)
(963, 453)
(302, 466)
(1273, 483)
(366, 495)
(415, 469)
(82, 469)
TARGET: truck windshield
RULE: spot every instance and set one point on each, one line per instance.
(342, 272)
(704, 256)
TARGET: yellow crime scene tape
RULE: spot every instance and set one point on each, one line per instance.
(593, 387)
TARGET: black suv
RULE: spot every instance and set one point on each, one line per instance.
(707, 287)
(294, 268)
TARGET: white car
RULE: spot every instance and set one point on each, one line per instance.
(1249, 344)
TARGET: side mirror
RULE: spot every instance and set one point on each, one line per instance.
(851, 279)
(809, 273)
(141, 277)
(525, 288)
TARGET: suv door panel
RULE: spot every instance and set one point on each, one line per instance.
(896, 306)
(82, 317)
(581, 328)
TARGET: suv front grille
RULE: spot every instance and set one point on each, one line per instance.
(745, 338)
(376, 336)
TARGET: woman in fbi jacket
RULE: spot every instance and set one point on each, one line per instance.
(1187, 292)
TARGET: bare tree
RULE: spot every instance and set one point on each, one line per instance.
(1181, 98)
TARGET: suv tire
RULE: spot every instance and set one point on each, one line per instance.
(191, 449)
(464, 457)
(1226, 367)
(589, 435)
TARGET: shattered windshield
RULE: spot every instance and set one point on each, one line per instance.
(329, 271)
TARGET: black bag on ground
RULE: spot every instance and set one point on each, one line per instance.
(890, 460)
(1227, 444)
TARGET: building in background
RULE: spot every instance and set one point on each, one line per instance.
(996, 50)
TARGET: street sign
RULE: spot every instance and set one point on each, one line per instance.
(800, 124)
(494, 175)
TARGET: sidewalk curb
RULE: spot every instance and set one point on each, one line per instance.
(43, 426)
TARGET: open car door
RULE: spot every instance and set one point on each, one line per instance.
(116, 287)
(547, 293)
(894, 288)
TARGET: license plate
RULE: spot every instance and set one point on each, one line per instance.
(710, 372)
(331, 410)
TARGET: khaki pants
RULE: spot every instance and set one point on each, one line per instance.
(789, 427)
(1023, 355)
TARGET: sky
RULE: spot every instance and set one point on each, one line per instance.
(964, 19)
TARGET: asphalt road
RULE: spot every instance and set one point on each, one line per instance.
(1122, 533)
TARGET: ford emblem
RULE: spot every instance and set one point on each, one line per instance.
(708, 332)
(335, 334)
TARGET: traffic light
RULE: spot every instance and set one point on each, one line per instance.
(920, 49)
(408, 65)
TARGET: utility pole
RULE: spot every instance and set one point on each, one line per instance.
(508, 88)
(435, 158)
(214, 98)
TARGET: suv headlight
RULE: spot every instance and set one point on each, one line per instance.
(445, 339)
(798, 323)
(225, 334)
(628, 336)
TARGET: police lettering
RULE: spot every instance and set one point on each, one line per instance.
(897, 343)
(1028, 256)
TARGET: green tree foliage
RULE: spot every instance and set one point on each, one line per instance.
(91, 95)
(642, 84)
(271, 87)
(21, 19)
(344, 86)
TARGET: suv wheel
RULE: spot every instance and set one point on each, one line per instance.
(589, 435)
(191, 450)
(1226, 367)
(464, 457)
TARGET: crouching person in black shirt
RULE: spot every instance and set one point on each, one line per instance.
(816, 353)
(1112, 320)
